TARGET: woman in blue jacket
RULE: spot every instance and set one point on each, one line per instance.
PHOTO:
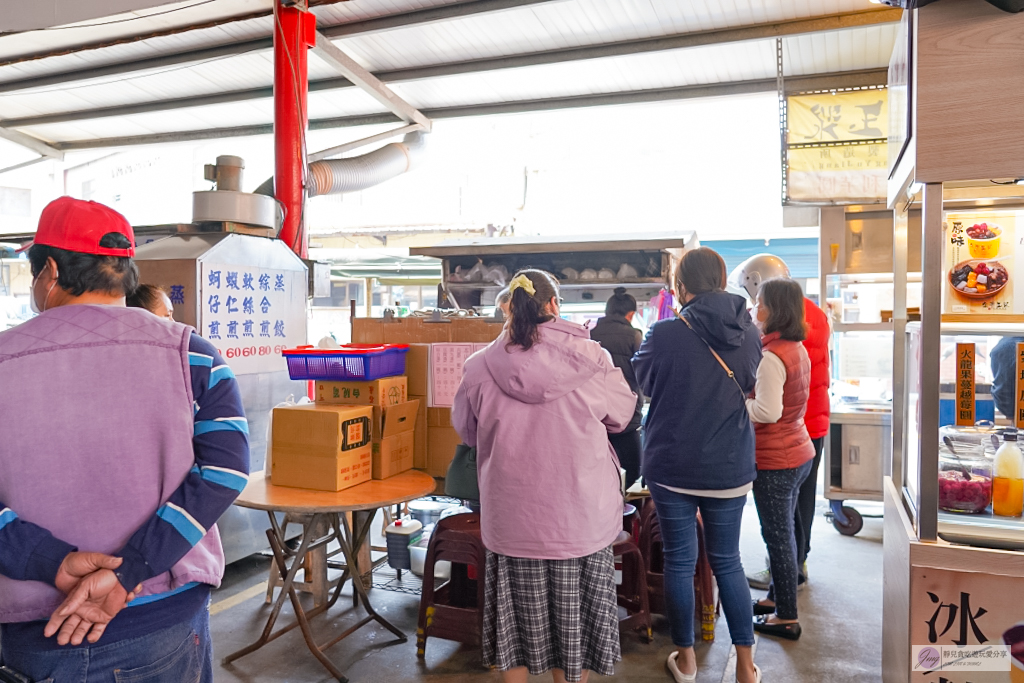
(699, 448)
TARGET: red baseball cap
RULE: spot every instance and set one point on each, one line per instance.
(77, 225)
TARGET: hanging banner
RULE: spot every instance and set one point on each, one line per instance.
(837, 173)
(981, 264)
(828, 117)
(836, 149)
(963, 629)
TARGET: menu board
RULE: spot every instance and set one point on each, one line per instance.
(982, 268)
(251, 314)
(446, 365)
(965, 384)
(1019, 419)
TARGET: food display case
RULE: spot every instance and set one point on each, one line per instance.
(953, 569)
(857, 288)
(589, 269)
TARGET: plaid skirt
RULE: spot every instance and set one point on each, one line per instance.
(551, 614)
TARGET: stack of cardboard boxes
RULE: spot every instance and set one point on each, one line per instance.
(436, 439)
(353, 432)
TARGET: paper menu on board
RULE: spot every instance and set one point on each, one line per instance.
(446, 362)
(981, 274)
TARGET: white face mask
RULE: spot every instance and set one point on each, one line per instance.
(32, 295)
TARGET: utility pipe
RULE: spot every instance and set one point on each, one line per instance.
(294, 34)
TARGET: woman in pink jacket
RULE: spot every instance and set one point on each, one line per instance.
(538, 405)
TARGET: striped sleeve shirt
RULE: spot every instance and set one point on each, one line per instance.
(221, 446)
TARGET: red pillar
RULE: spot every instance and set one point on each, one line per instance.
(294, 34)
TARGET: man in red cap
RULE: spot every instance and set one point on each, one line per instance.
(131, 444)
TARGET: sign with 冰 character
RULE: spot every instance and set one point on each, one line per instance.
(965, 384)
(251, 314)
(964, 629)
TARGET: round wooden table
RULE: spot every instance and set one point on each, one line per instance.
(320, 511)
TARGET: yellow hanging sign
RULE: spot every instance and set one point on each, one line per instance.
(836, 173)
(827, 117)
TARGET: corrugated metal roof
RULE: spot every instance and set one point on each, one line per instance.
(533, 28)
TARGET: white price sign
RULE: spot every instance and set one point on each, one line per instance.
(251, 314)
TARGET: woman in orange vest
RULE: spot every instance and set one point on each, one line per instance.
(784, 448)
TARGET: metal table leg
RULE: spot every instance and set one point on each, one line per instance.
(350, 538)
(288, 573)
(350, 548)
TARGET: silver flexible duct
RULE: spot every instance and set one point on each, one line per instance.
(335, 176)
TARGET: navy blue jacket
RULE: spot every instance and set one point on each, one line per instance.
(1003, 361)
(698, 434)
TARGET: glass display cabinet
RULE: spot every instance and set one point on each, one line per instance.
(953, 564)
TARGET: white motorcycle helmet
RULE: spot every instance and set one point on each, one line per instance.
(749, 275)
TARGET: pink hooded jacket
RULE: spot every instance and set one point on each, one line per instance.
(539, 419)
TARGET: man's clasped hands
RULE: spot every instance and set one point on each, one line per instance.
(94, 597)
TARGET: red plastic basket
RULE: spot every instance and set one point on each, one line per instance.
(364, 362)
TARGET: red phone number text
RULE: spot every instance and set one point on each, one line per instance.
(247, 351)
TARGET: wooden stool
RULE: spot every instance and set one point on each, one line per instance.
(314, 567)
(450, 612)
(632, 593)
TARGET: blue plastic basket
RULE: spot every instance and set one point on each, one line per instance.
(351, 362)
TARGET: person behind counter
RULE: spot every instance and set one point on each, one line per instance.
(110, 457)
(616, 334)
(784, 449)
(153, 299)
(501, 301)
(699, 449)
(538, 405)
(1003, 361)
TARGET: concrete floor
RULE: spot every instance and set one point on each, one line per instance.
(840, 610)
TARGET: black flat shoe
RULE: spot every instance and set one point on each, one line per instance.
(760, 609)
(787, 631)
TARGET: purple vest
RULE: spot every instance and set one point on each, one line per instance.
(98, 413)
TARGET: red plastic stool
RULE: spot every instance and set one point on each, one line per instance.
(632, 592)
(453, 611)
(705, 588)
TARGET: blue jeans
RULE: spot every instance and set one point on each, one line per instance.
(182, 653)
(722, 517)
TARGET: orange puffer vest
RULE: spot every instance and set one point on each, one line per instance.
(786, 444)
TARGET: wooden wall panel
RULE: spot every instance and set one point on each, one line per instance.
(970, 92)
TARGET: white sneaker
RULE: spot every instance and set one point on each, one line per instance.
(679, 675)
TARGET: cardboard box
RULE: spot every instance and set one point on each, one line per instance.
(394, 439)
(441, 443)
(389, 391)
(417, 369)
(415, 331)
(439, 417)
(367, 331)
(322, 447)
(475, 330)
(419, 460)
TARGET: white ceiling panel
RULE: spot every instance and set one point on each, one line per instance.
(573, 23)
(168, 17)
(545, 26)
